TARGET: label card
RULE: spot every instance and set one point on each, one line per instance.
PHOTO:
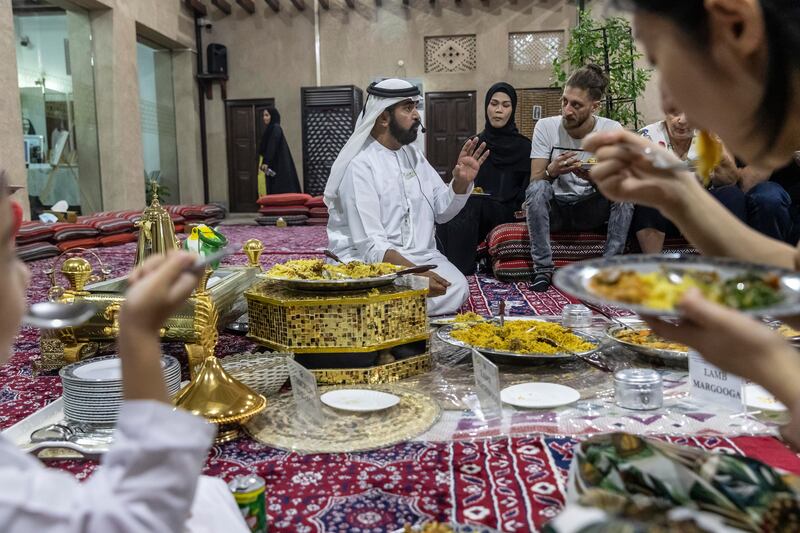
(487, 381)
(711, 385)
(306, 397)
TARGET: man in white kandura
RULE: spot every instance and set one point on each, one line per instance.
(384, 197)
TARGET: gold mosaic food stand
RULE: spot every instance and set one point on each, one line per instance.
(344, 322)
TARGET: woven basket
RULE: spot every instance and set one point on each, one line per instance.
(265, 373)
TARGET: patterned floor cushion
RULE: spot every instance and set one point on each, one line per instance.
(283, 210)
(317, 221)
(510, 249)
(291, 220)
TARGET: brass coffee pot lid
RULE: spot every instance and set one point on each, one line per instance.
(218, 397)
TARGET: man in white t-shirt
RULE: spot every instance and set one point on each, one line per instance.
(559, 196)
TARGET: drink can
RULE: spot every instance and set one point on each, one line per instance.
(248, 490)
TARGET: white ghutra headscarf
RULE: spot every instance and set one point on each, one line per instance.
(380, 96)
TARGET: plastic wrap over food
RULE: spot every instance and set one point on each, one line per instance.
(622, 344)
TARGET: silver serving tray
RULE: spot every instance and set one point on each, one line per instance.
(671, 356)
(574, 279)
(503, 356)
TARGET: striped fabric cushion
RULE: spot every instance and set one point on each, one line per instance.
(78, 243)
(119, 238)
(316, 201)
(289, 198)
(319, 212)
(111, 225)
(34, 232)
(37, 250)
(66, 232)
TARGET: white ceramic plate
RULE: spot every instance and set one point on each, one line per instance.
(758, 397)
(539, 395)
(359, 400)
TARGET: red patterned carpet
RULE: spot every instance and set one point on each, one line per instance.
(513, 484)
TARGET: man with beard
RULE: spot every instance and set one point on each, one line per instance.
(559, 196)
(384, 197)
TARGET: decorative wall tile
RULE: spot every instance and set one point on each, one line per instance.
(453, 53)
(534, 50)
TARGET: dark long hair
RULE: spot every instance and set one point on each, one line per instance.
(782, 28)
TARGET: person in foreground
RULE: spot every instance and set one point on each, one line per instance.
(149, 479)
(748, 51)
(503, 177)
(384, 197)
(559, 196)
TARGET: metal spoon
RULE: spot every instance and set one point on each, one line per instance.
(585, 358)
(54, 315)
(419, 269)
(599, 310)
(333, 256)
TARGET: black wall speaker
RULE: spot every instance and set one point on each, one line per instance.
(217, 57)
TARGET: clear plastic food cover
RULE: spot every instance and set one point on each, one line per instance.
(452, 383)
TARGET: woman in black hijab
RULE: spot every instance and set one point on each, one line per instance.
(503, 178)
(274, 155)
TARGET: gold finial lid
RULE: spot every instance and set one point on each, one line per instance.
(281, 223)
(253, 248)
(77, 270)
(215, 395)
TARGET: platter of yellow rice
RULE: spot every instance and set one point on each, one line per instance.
(520, 340)
(317, 275)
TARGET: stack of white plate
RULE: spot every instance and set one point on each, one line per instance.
(93, 388)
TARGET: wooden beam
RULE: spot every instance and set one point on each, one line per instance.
(274, 5)
(197, 6)
(351, 3)
(299, 4)
(223, 6)
(325, 5)
(247, 5)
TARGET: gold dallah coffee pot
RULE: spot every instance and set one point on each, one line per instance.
(156, 230)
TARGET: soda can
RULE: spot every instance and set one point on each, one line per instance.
(248, 491)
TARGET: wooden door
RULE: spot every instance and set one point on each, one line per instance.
(244, 130)
(450, 122)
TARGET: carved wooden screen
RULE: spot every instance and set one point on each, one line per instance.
(329, 117)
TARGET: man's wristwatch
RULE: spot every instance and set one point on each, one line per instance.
(547, 174)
